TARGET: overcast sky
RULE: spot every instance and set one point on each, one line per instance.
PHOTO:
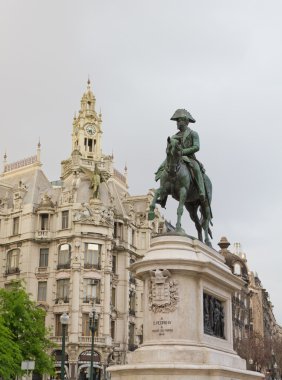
(221, 60)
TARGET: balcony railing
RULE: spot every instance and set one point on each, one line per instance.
(43, 235)
(62, 300)
(14, 270)
(63, 266)
(58, 339)
(91, 299)
(87, 339)
(92, 266)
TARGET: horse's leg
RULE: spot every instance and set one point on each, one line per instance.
(151, 214)
(206, 222)
(192, 209)
(182, 199)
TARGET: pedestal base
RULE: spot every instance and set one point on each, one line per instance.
(180, 275)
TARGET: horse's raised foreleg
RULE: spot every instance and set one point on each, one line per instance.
(182, 199)
(151, 214)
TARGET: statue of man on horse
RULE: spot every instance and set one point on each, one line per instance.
(183, 177)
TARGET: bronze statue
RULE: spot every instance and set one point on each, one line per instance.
(183, 177)
(95, 179)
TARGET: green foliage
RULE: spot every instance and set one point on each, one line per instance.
(25, 323)
(10, 355)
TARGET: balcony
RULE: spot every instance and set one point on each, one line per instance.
(58, 339)
(87, 340)
(14, 270)
(63, 266)
(43, 235)
(92, 266)
(91, 299)
(59, 301)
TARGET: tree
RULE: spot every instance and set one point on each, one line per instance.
(10, 355)
(255, 348)
(26, 324)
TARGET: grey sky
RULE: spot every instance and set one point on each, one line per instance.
(219, 59)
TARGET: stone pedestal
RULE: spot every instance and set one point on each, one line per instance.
(187, 331)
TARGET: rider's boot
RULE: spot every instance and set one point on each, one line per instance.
(200, 185)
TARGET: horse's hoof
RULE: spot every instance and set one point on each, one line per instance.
(180, 230)
(151, 215)
(208, 243)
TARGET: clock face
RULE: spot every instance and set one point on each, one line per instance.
(90, 129)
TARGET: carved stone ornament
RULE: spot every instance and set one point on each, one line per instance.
(98, 215)
(163, 292)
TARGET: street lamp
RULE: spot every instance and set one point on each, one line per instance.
(92, 317)
(64, 319)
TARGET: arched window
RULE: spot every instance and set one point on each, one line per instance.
(64, 256)
(237, 269)
(13, 257)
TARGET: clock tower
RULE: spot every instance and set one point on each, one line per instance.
(87, 132)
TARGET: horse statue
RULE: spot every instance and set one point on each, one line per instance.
(177, 180)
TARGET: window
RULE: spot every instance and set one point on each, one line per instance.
(143, 240)
(118, 230)
(113, 299)
(16, 222)
(64, 256)
(113, 329)
(58, 326)
(44, 222)
(237, 269)
(92, 256)
(63, 290)
(65, 219)
(131, 340)
(13, 257)
(85, 325)
(43, 257)
(42, 291)
(132, 301)
(114, 264)
(91, 290)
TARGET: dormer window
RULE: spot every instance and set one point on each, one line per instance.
(237, 269)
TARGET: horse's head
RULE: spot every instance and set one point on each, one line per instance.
(173, 148)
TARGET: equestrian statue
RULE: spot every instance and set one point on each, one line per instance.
(183, 177)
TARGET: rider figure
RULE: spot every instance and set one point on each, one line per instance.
(190, 144)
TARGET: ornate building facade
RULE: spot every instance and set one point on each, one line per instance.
(72, 241)
(255, 330)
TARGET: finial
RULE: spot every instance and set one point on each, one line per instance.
(125, 168)
(224, 243)
(38, 150)
(5, 156)
(88, 83)
(74, 116)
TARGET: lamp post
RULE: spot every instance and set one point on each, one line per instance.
(64, 319)
(92, 317)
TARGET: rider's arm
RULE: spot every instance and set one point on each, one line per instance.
(195, 146)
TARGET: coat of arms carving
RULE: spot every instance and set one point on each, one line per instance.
(163, 292)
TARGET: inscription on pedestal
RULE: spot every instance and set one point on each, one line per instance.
(213, 316)
(163, 292)
(162, 326)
